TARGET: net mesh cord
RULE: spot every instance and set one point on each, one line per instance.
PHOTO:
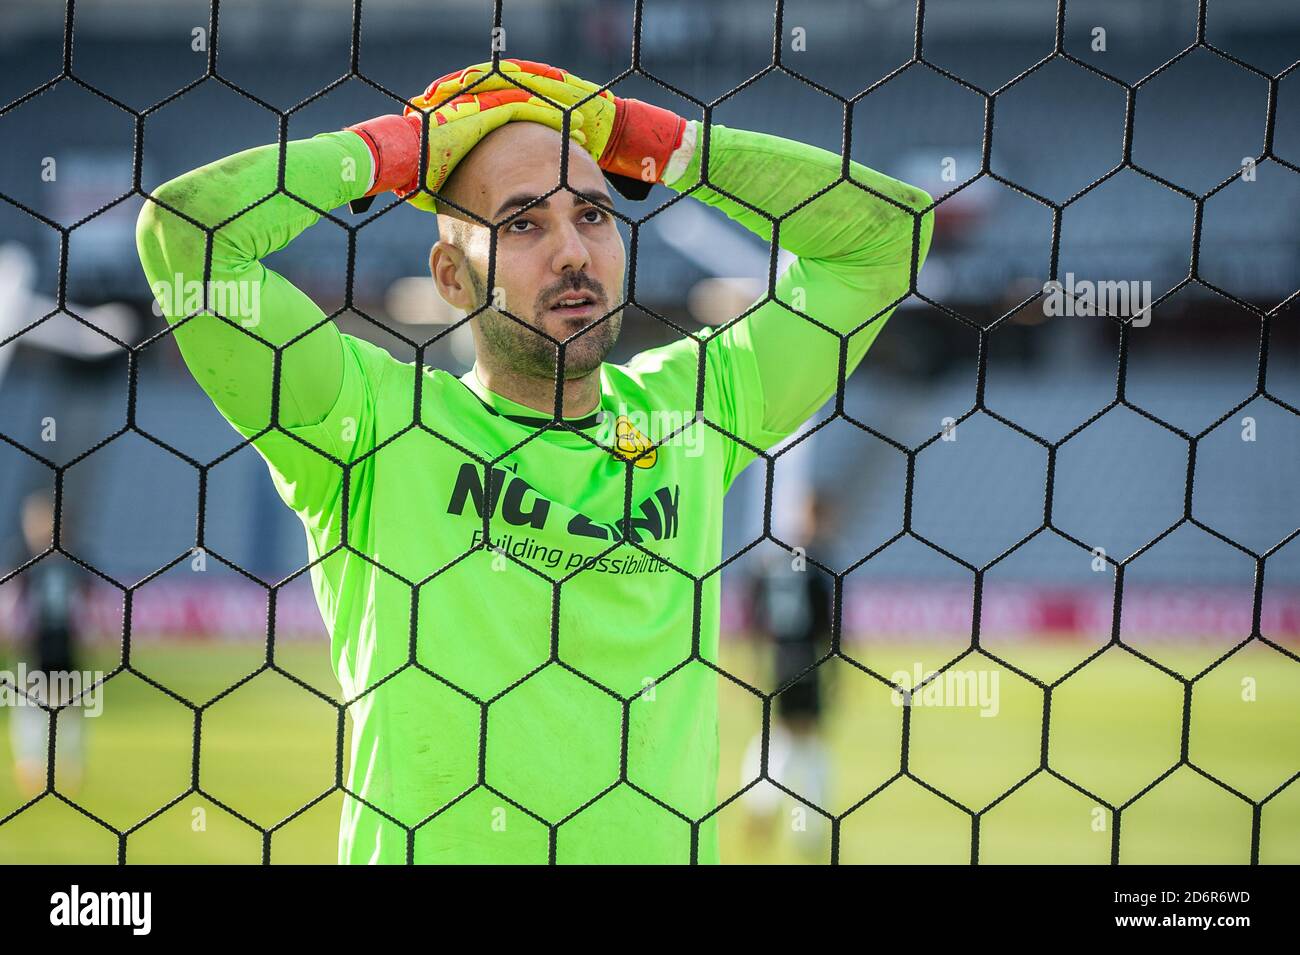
(766, 461)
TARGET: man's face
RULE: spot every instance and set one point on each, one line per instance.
(565, 247)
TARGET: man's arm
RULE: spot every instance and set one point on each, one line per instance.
(855, 256)
(320, 368)
(234, 363)
(327, 380)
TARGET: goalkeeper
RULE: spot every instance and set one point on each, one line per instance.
(441, 512)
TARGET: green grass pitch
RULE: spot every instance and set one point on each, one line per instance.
(1116, 726)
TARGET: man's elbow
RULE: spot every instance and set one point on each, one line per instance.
(913, 232)
(147, 225)
(148, 242)
(925, 230)
(163, 240)
(900, 230)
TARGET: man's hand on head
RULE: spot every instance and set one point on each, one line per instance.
(632, 141)
(456, 122)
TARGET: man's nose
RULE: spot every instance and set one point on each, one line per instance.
(571, 249)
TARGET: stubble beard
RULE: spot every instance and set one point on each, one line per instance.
(526, 352)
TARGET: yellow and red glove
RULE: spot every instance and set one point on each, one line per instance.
(454, 129)
(630, 140)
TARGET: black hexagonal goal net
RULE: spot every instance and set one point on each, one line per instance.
(1048, 610)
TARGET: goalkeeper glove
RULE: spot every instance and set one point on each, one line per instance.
(454, 129)
(630, 140)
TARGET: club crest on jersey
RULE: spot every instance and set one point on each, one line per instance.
(630, 442)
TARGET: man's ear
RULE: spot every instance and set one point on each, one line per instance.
(450, 275)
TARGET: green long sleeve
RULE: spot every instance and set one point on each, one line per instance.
(233, 363)
(855, 254)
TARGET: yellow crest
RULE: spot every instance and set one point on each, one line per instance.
(629, 442)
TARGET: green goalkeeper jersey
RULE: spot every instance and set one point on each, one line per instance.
(559, 675)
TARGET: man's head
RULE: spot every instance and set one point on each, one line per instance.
(562, 248)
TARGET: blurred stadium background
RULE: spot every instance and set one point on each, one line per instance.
(131, 507)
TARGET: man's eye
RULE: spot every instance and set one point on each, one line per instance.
(593, 217)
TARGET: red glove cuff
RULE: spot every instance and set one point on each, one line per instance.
(394, 142)
(640, 131)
